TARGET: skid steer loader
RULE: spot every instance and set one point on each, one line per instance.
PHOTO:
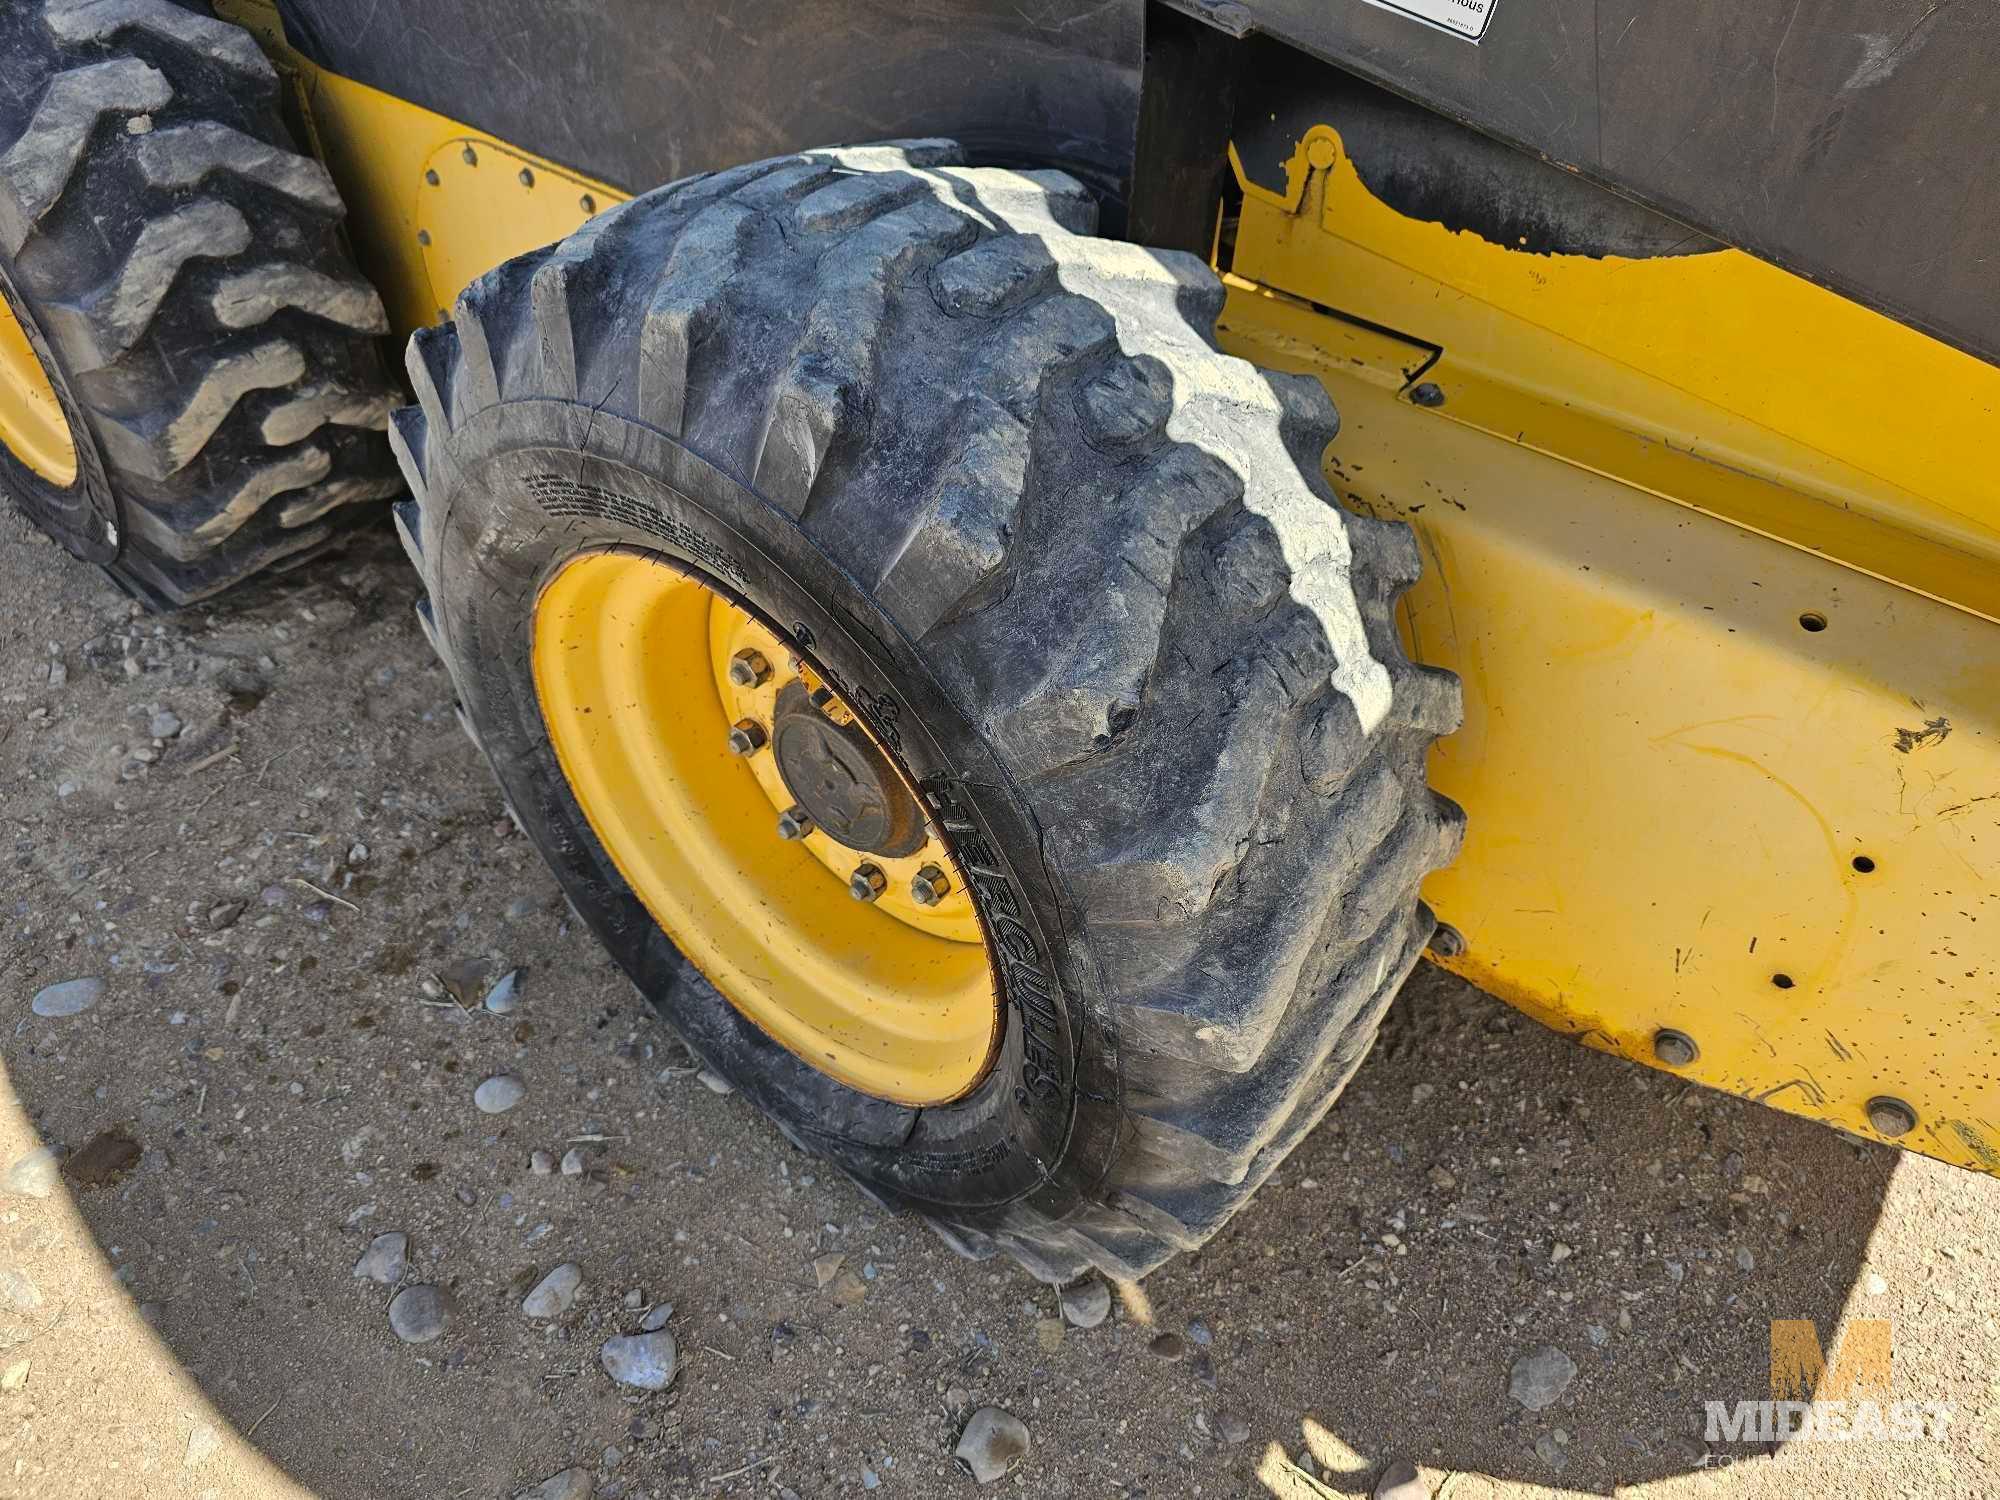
(988, 547)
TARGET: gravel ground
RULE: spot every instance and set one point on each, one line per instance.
(260, 828)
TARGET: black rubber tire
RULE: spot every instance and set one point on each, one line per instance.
(1079, 567)
(180, 262)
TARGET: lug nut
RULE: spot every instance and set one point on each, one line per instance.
(795, 823)
(748, 668)
(930, 886)
(1676, 1049)
(1891, 1117)
(746, 737)
(867, 882)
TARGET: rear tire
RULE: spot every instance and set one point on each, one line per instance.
(177, 262)
(1078, 567)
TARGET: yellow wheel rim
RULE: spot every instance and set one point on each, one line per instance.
(632, 662)
(32, 425)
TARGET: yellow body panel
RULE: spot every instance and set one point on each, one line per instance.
(631, 660)
(1714, 380)
(1715, 781)
(431, 204)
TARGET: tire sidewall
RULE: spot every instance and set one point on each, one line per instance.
(529, 485)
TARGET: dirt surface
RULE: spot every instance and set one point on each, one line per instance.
(259, 1092)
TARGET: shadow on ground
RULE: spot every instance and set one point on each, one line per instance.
(289, 1089)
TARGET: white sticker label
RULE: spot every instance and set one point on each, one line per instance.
(1462, 18)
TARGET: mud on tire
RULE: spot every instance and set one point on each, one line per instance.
(179, 262)
(1079, 565)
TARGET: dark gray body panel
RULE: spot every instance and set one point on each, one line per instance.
(640, 92)
(1856, 142)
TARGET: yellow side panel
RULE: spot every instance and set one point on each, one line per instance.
(1714, 380)
(1686, 808)
(431, 204)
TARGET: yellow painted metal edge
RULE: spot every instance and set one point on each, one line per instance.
(1713, 380)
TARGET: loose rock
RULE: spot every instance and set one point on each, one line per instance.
(223, 915)
(556, 1292)
(72, 997)
(1540, 1377)
(541, 1163)
(715, 1083)
(384, 1259)
(993, 1444)
(656, 1319)
(505, 994)
(571, 1484)
(1400, 1481)
(644, 1361)
(1086, 1304)
(35, 1174)
(1169, 1346)
(499, 1093)
(166, 724)
(1233, 1429)
(572, 1162)
(419, 1314)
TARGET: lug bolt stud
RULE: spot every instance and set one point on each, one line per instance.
(930, 886)
(746, 737)
(795, 823)
(748, 668)
(867, 882)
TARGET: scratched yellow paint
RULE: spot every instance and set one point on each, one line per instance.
(1714, 380)
(1668, 779)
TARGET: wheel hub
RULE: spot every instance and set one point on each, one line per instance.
(32, 425)
(842, 780)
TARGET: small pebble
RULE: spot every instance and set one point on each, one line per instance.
(1198, 1333)
(1086, 1304)
(1169, 1346)
(657, 1318)
(72, 997)
(572, 1162)
(419, 1314)
(1540, 1377)
(993, 1444)
(541, 1163)
(224, 915)
(505, 994)
(1400, 1481)
(644, 1361)
(166, 724)
(716, 1083)
(1745, 1260)
(571, 1484)
(36, 1174)
(499, 1093)
(556, 1292)
(1875, 1286)
(1233, 1429)
(635, 1299)
(384, 1259)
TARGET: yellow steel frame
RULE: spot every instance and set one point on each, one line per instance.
(1731, 761)
(1716, 781)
